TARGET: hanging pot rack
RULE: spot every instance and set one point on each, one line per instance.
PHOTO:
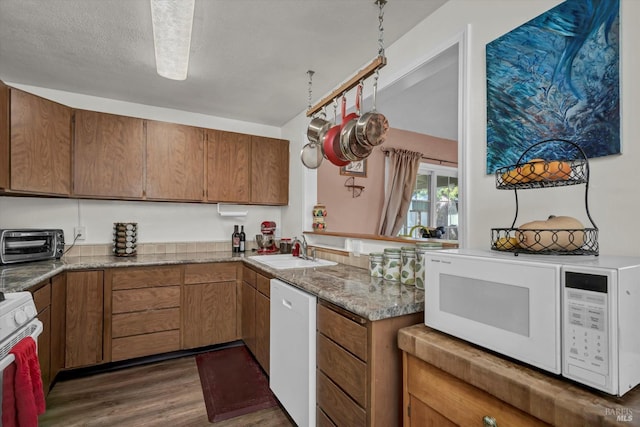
(374, 66)
(371, 69)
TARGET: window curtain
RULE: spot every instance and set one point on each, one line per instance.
(403, 169)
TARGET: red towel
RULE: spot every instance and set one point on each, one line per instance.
(22, 394)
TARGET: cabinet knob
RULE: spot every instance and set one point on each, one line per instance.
(488, 421)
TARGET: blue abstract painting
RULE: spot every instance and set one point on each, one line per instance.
(556, 76)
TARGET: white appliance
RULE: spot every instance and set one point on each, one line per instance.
(292, 364)
(571, 315)
(17, 321)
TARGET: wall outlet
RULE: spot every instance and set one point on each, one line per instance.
(80, 233)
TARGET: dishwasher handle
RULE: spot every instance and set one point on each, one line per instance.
(287, 303)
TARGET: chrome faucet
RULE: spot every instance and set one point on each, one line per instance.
(303, 247)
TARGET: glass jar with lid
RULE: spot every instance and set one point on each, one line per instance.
(391, 264)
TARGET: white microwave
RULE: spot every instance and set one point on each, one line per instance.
(576, 316)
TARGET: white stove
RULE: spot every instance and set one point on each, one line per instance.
(17, 321)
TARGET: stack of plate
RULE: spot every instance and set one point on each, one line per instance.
(125, 238)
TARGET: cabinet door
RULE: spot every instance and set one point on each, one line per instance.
(84, 319)
(40, 145)
(228, 164)
(4, 136)
(175, 162)
(262, 331)
(209, 314)
(58, 323)
(108, 155)
(269, 171)
(249, 316)
(42, 300)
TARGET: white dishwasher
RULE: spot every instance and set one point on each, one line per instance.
(292, 364)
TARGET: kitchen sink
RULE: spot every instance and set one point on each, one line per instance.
(287, 261)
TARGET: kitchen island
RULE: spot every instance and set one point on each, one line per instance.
(451, 380)
(102, 310)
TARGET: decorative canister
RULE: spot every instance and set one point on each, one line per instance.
(125, 236)
(319, 213)
(391, 265)
(407, 271)
(375, 264)
(421, 249)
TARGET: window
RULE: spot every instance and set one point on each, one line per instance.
(434, 202)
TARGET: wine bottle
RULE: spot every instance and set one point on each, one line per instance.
(243, 237)
(235, 239)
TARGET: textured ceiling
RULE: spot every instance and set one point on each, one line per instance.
(248, 57)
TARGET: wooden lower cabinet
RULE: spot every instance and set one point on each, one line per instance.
(49, 298)
(143, 311)
(359, 367)
(209, 304)
(255, 316)
(248, 303)
(433, 397)
(42, 300)
(84, 319)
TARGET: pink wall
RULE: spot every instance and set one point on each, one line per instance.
(362, 214)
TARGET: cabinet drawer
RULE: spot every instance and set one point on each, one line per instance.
(343, 368)
(337, 405)
(133, 278)
(447, 394)
(42, 297)
(263, 284)
(145, 299)
(209, 273)
(144, 322)
(322, 420)
(249, 275)
(144, 345)
(343, 331)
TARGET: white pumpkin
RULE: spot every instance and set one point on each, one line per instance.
(561, 233)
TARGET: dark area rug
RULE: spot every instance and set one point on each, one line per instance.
(233, 383)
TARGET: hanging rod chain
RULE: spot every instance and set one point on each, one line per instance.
(310, 73)
(381, 4)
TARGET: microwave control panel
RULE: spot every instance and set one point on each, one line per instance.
(585, 328)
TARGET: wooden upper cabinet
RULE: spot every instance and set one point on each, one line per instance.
(228, 162)
(108, 155)
(40, 145)
(269, 171)
(175, 162)
(4, 136)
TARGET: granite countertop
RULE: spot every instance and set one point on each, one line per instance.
(345, 286)
(551, 398)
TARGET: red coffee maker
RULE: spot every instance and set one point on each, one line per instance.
(266, 241)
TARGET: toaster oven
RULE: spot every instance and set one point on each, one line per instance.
(22, 245)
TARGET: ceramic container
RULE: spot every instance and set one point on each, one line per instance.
(375, 264)
(407, 271)
(391, 265)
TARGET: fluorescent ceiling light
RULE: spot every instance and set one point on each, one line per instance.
(172, 22)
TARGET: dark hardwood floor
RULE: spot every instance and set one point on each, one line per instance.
(166, 393)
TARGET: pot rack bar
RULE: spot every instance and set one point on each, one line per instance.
(363, 74)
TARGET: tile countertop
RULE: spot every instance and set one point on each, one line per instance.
(554, 400)
(345, 286)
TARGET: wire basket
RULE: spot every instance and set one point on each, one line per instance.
(582, 241)
(531, 172)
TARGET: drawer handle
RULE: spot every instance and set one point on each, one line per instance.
(488, 421)
(286, 303)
